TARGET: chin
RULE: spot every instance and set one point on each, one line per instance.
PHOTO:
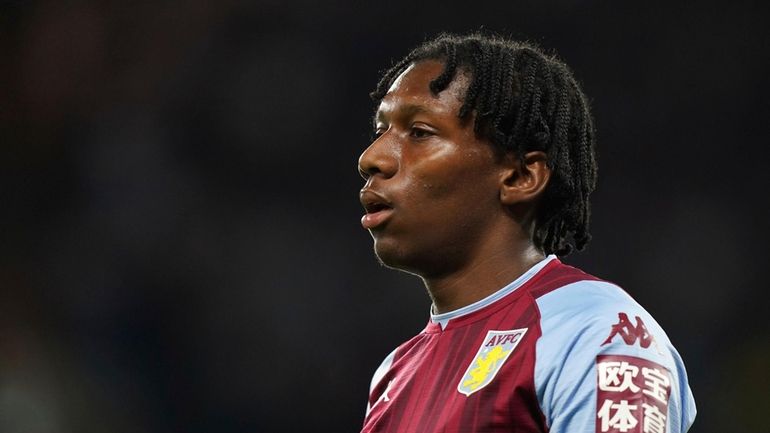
(392, 254)
(396, 256)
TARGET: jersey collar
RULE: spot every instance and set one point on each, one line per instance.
(444, 318)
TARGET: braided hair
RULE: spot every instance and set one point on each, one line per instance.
(524, 100)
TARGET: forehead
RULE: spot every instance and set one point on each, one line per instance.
(411, 91)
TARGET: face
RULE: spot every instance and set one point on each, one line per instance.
(431, 192)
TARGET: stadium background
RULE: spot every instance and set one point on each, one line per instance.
(181, 250)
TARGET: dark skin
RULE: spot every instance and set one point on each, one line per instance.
(441, 202)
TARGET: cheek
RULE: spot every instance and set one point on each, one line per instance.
(464, 180)
(428, 189)
(449, 204)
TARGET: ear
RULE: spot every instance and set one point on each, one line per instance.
(524, 180)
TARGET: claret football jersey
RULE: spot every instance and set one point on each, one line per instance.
(556, 351)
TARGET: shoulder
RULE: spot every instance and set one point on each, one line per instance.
(387, 364)
(593, 331)
(600, 316)
(382, 370)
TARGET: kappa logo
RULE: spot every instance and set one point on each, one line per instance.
(496, 348)
(384, 397)
(630, 333)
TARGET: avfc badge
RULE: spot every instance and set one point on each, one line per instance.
(496, 348)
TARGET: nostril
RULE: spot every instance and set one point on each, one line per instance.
(378, 159)
(363, 174)
(368, 168)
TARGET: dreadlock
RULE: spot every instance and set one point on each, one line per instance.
(524, 100)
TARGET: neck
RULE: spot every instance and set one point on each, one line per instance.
(481, 277)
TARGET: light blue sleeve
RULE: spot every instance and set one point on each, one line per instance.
(576, 321)
(381, 371)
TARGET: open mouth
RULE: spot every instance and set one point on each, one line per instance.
(375, 207)
(377, 210)
(377, 213)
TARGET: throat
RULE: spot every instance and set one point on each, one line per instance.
(474, 283)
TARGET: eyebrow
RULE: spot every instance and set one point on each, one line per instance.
(404, 110)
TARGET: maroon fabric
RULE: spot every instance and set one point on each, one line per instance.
(422, 382)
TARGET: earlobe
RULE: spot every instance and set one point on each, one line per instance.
(524, 179)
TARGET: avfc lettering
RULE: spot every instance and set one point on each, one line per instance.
(499, 340)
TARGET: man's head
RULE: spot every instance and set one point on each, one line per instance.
(521, 101)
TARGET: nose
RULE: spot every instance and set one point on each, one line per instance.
(381, 157)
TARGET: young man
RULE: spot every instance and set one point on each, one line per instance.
(479, 176)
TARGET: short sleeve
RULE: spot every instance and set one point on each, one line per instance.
(604, 365)
(377, 377)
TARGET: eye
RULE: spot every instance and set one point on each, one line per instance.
(420, 132)
(377, 133)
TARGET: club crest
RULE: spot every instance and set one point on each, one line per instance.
(496, 348)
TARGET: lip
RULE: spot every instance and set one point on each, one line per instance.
(378, 209)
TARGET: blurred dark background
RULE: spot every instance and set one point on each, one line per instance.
(180, 246)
